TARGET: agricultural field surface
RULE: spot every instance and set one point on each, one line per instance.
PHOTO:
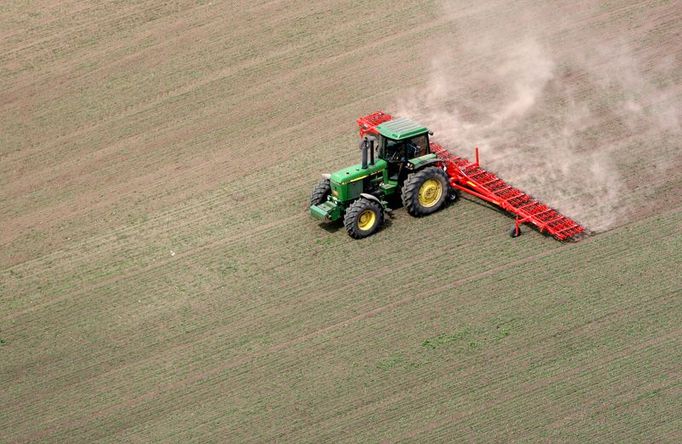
(162, 280)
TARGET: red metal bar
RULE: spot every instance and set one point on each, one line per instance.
(473, 193)
(369, 122)
(537, 215)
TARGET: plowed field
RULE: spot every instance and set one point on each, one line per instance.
(161, 280)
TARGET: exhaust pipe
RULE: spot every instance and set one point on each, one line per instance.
(363, 147)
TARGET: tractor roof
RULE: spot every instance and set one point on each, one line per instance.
(401, 128)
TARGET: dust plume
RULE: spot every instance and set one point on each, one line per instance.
(557, 102)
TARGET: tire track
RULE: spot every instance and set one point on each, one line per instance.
(193, 379)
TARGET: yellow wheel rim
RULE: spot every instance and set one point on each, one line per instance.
(366, 220)
(430, 193)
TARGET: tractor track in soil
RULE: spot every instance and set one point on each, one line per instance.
(148, 271)
(153, 286)
(47, 215)
(500, 395)
(192, 379)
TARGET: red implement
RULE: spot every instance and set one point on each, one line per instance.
(472, 179)
(369, 122)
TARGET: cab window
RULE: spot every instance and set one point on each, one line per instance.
(402, 150)
(420, 145)
(391, 149)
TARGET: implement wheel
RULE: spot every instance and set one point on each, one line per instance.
(363, 218)
(425, 191)
(320, 192)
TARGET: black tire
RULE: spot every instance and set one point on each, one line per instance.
(412, 186)
(356, 215)
(514, 232)
(320, 192)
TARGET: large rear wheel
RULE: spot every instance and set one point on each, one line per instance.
(363, 218)
(320, 192)
(425, 191)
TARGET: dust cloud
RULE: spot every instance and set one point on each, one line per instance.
(557, 101)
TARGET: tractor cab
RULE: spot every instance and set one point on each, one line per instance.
(397, 153)
(394, 151)
(400, 141)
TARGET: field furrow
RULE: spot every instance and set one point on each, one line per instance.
(161, 278)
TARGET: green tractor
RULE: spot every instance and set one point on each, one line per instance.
(396, 161)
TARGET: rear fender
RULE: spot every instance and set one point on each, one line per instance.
(420, 162)
(419, 165)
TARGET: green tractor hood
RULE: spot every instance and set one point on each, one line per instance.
(355, 172)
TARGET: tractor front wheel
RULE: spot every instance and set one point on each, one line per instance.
(425, 191)
(320, 192)
(363, 218)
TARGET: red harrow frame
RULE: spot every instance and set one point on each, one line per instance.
(470, 178)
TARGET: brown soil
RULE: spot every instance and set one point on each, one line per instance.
(161, 280)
